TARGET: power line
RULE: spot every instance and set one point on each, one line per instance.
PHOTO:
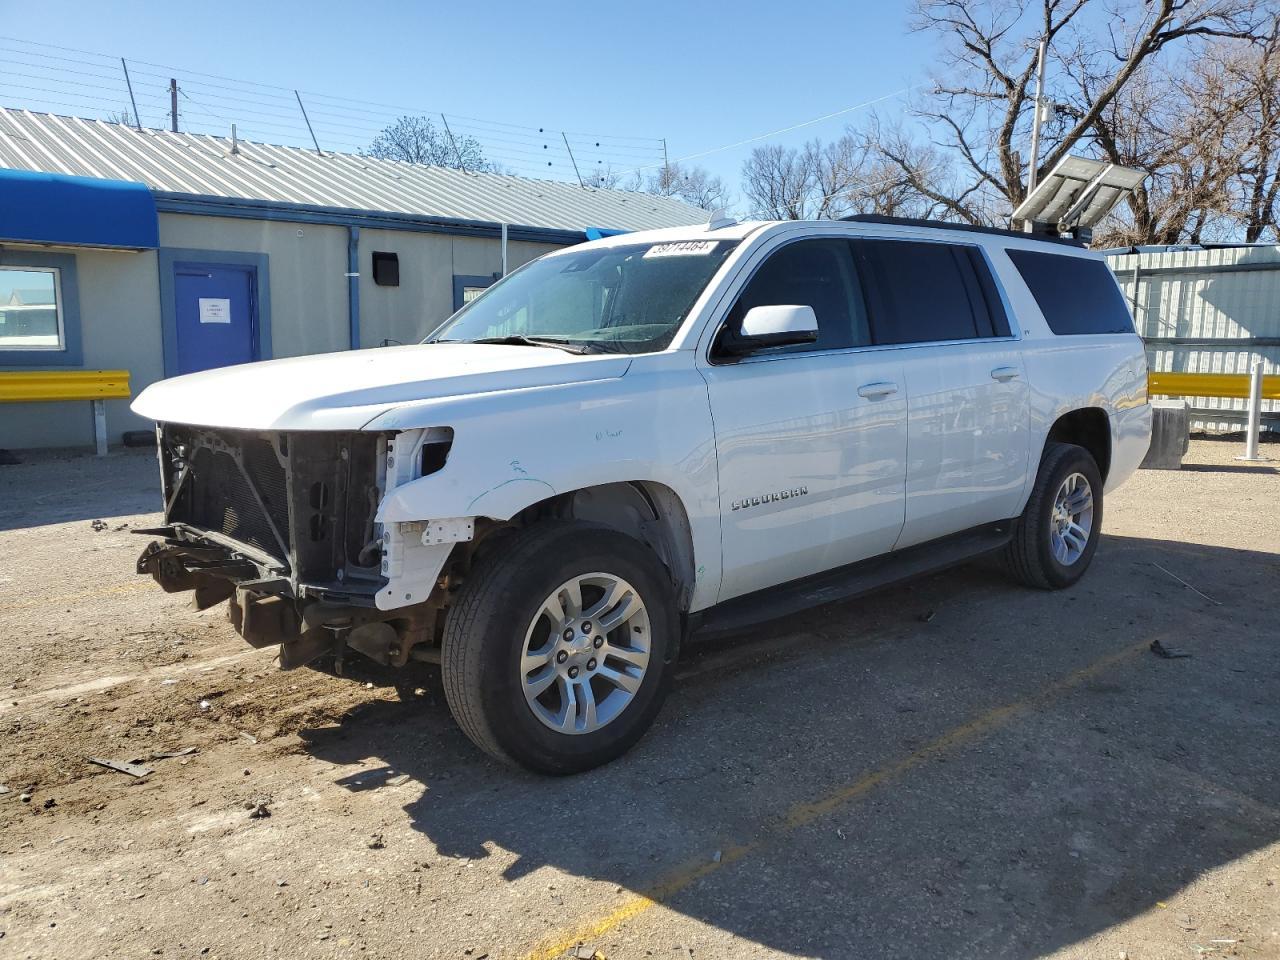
(170, 70)
(516, 148)
(349, 123)
(795, 126)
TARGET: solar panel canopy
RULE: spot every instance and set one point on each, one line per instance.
(1077, 193)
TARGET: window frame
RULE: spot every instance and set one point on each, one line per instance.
(69, 352)
(1013, 253)
(871, 297)
(790, 351)
(461, 281)
(981, 280)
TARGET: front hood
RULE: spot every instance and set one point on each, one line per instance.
(344, 391)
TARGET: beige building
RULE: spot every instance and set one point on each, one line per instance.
(166, 253)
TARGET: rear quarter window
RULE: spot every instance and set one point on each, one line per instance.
(1076, 296)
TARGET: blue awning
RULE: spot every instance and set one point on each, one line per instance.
(597, 233)
(76, 211)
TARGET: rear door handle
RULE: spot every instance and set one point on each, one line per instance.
(873, 391)
(1005, 373)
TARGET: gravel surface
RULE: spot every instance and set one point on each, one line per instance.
(957, 767)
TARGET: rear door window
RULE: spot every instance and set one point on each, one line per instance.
(929, 292)
(1076, 295)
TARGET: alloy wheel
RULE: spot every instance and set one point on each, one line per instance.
(1071, 520)
(585, 653)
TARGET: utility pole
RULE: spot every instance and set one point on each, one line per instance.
(137, 120)
(666, 176)
(173, 105)
(574, 162)
(1035, 121)
(308, 123)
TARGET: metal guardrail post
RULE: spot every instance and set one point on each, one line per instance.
(1254, 426)
(100, 426)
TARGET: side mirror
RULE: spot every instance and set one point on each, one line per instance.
(775, 325)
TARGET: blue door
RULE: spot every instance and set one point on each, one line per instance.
(217, 313)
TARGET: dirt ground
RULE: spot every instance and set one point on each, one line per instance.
(954, 768)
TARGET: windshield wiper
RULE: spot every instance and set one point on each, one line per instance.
(520, 340)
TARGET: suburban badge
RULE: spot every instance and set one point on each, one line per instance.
(746, 502)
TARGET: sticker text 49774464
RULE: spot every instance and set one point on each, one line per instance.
(681, 248)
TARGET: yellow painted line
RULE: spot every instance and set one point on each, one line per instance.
(57, 599)
(802, 814)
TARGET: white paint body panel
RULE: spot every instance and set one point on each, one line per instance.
(950, 449)
(966, 437)
(344, 391)
(797, 422)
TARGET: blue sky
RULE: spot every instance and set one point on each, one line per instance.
(702, 75)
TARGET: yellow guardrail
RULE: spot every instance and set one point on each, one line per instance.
(36, 386)
(1234, 385)
(21, 386)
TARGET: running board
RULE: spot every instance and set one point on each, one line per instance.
(854, 580)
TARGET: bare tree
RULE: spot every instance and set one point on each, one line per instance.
(694, 185)
(1203, 130)
(813, 182)
(608, 178)
(777, 184)
(876, 170)
(979, 112)
(1259, 177)
(419, 140)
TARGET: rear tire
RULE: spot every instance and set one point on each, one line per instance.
(1055, 538)
(556, 654)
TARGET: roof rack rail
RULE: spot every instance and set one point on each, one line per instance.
(960, 227)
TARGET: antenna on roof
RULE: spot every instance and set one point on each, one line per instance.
(235, 141)
(309, 130)
(719, 219)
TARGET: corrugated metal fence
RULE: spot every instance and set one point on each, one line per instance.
(1207, 311)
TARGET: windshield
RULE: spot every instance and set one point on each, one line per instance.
(618, 299)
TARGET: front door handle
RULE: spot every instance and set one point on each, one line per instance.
(874, 391)
(1004, 374)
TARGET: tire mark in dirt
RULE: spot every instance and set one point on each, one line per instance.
(105, 683)
(76, 597)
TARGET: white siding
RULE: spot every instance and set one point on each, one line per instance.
(1192, 295)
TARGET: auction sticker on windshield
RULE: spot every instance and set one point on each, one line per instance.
(681, 248)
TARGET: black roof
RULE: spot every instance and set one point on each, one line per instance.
(959, 227)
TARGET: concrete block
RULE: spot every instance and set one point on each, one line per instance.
(1170, 435)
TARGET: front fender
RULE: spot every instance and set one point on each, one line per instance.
(514, 449)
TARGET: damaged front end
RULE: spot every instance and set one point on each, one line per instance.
(283, 526)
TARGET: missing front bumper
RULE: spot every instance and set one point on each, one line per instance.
(266, 610)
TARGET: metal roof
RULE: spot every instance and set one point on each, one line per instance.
(201, 165)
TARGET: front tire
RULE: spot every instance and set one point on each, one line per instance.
(1055, 538)
(556, 654)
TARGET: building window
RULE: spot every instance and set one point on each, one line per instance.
(466, 288)
(386, 269)
(39, 309)
(31, 309)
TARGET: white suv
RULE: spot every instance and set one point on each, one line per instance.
(636, 439)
